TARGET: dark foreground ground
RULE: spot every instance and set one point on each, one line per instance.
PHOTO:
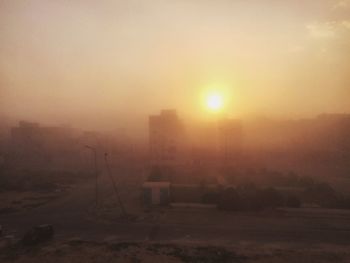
(74, 215)
(86, 234)
(83, 251)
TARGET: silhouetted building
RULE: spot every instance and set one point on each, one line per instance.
(156, 193)
(166, 138)
(34, 145)
(230, 136)
(316, 146)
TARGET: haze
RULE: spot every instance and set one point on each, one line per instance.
(110, 63)
(174, 131)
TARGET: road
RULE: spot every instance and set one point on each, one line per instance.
(71, 216)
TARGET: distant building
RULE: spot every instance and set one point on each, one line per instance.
(166, 138)
(230, 139)
(204, 143)
(338, 128)
(315, 146)
(156, 193)
(34, 145)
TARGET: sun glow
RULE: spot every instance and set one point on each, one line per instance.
(214, 101)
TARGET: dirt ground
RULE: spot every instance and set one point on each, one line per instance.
(83, 251)
(12, 201)
(168, 234)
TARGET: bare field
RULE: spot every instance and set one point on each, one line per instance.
(84, 251)
(171, 234)
(13, 201)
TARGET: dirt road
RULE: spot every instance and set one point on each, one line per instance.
(72, 216)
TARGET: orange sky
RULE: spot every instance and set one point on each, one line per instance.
(102, 62)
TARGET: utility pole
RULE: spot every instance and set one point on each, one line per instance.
(115, 187)
(94, 152)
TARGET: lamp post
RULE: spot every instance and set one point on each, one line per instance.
(115, 187)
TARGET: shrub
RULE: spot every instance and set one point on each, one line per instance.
(322, 194)
(270, 197)
(210, 198)
(292, 201)
(229, 199)
(249, 198)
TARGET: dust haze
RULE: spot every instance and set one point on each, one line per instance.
(103, 65)
(174, 131)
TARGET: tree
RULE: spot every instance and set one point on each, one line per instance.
(292, 201)
(322, 194)
(229, 199)
(270, 197)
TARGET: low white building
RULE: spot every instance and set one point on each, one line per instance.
(156, 193)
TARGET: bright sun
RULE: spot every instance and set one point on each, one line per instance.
(214, 101)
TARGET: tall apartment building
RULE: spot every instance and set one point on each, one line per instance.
(35, 145)
(230, 139)
(166, 138)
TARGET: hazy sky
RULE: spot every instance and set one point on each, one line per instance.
(108, 61)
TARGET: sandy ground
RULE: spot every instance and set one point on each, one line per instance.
(12, 201)
(83, 251)
(170, 235)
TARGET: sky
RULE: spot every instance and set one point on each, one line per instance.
(111, 63)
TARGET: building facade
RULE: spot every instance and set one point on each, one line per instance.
(166, 138)
(230, 139)
(34, 145)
